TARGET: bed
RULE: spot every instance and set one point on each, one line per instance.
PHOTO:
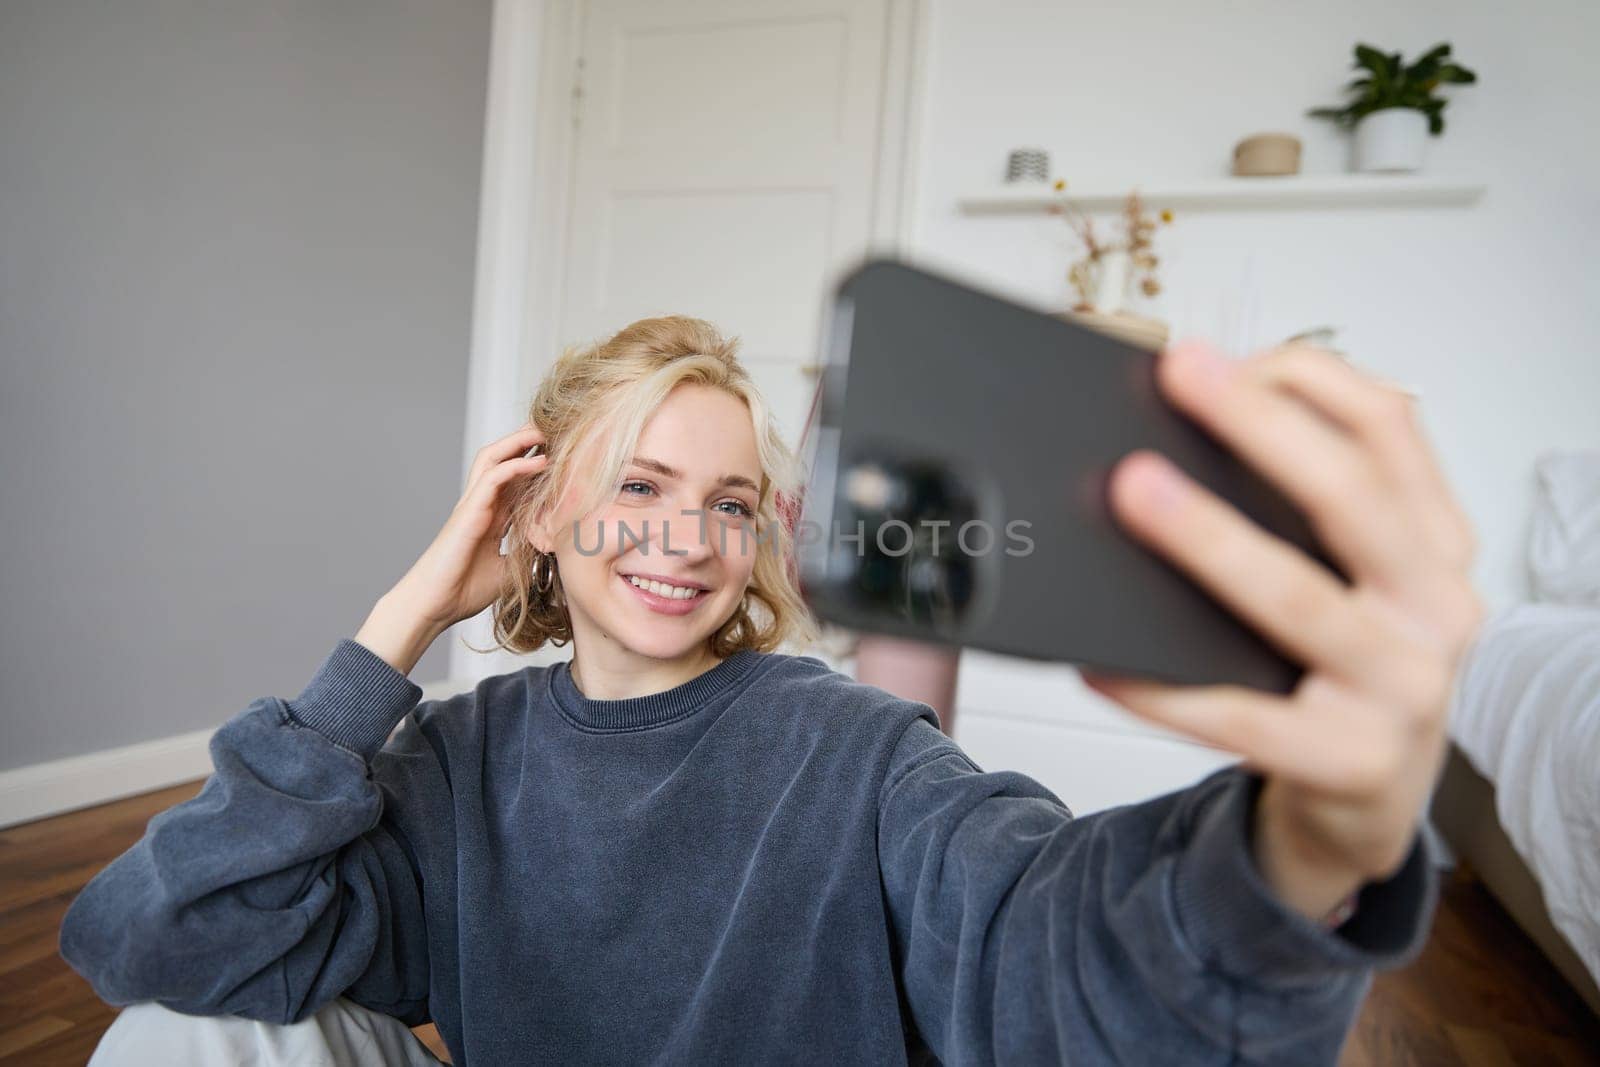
(1520, 796)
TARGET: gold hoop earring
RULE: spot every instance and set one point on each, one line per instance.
(543, 583)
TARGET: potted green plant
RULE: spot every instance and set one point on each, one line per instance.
(1395, 107)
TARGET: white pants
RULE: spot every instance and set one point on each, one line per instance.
(341, 1034)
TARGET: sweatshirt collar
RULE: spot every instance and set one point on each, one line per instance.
(653, 709)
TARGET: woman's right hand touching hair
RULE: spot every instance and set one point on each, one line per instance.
(460, 572)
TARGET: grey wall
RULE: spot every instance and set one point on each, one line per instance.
(236, 251)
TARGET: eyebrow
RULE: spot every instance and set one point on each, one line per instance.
(734, 480)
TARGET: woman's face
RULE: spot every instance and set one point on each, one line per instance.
(683, 516)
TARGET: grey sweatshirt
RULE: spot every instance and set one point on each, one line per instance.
(769, 863)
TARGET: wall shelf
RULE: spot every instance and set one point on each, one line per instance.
(1288, 192)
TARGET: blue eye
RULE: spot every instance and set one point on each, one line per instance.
(743, 508)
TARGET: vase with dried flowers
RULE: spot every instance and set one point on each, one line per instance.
(1111, 265)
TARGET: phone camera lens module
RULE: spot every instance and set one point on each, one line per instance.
(910, 563)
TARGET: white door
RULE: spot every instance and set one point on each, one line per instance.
(725, 167)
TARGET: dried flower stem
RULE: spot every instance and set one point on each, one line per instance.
(1138, 240)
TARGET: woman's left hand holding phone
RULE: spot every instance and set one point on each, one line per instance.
(1350, 758)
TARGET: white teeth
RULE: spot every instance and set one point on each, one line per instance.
(674, 592)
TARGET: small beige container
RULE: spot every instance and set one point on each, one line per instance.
(1267, 155)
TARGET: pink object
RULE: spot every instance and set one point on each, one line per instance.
(914, 670)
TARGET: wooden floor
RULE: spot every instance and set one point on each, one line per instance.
(1480, 993)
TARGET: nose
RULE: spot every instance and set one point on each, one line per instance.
(689, 537)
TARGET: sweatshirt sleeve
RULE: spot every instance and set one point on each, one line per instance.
(278, 887)
(1138, 934)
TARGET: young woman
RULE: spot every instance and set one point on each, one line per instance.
(685, 846)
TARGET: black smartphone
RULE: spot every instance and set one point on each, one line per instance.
(959, 453)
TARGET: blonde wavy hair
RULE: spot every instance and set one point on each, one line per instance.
(595, 401)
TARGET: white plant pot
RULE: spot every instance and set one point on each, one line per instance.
(1392, 140)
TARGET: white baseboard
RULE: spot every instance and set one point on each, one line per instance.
(63, 785)
(59, 786)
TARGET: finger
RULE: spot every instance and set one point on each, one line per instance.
(1293, 601)
(1322, 469)
(514, 443)
(518, 442)
(1386, 419)
(1333, 744)
(486, 491)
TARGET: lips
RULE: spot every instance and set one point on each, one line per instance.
(664, 605)
(685, 583)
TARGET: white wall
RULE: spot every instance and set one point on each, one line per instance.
(1489, 310)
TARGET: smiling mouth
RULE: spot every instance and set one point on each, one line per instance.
(685, 593)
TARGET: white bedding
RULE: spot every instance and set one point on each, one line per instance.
(1564, 543)
(1526, 712)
